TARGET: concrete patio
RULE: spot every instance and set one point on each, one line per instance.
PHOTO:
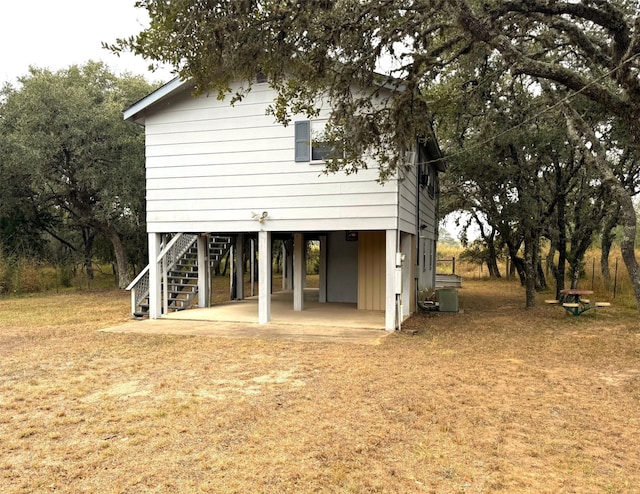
(334, 322)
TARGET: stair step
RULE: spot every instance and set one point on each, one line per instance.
(192, 275)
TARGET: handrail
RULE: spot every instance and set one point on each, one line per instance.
(137, 278)
(176, 248)
(173, 251)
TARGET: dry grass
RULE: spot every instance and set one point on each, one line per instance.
(497, 399)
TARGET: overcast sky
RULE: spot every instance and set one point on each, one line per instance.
(55, 34)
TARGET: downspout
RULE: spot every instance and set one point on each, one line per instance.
(416, 277)
(437, 227)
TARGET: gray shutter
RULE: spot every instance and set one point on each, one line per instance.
(303, 141)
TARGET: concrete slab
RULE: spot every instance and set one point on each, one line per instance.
(326, 322)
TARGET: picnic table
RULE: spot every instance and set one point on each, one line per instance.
(573, 302)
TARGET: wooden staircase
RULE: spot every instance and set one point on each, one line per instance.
(182, 277)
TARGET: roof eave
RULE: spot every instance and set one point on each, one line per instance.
(135, 111)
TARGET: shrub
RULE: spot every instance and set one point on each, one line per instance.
(5, 274)
(27, 276)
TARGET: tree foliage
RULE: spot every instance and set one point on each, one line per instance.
(76, 169)
(345, 51)
(328, 47)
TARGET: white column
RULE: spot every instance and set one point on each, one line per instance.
(407, 274)
(155, 294)
(390, 297)
(164, 273)
(253, 265)
(264, 274)
(298, 271)
(204, 272)
(240, 266)
(231, 263)
(322, 295)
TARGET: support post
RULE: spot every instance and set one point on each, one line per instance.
(298, 271)
(322, 294)
(283, 256)
(264, 277)
(240, 266)
(164, 270)
(407, 275)
(390, 316)
(231, 264)
(155, 293)
(204, 272)
(289, 264)
(252, 275)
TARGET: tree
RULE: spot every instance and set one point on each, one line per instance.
(76, 159)
(329, 48)
(591, 47)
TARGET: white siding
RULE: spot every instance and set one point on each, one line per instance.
(407, 201)
(428, 214)
(427, 240)
(210, 165)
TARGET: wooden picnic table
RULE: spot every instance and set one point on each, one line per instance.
(573, 302)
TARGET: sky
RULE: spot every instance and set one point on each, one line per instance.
(55, 34)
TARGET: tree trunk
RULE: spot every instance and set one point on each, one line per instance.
(541, 281)
(576, 268)
(123, 277)
(492, 256)
(597, 158)
(530, 261)
(517, 263)
(604, 259)
(88, 237)
(226, 263)
(609, 224)
(562, 236)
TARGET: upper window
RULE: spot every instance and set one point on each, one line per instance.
(310, 146)
(426, 171)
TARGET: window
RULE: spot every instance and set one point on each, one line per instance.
(303, 141)
(309, 146)
(426, 171)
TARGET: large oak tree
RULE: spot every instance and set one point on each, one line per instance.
(330, 47)
(79, 166)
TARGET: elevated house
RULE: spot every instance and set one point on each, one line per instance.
(220, 175)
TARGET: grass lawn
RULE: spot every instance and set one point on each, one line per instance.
(496, 399)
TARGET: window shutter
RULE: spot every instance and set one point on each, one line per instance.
(303, 141)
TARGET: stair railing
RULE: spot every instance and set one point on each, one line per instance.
(169, 255)
(139, 289)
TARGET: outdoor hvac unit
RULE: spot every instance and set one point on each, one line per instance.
(448, 300)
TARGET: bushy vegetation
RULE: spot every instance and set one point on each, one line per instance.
(28, 275)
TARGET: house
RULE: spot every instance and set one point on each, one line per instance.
(223, 171)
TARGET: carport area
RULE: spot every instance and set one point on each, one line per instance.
(314, 313)
(239, 319)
